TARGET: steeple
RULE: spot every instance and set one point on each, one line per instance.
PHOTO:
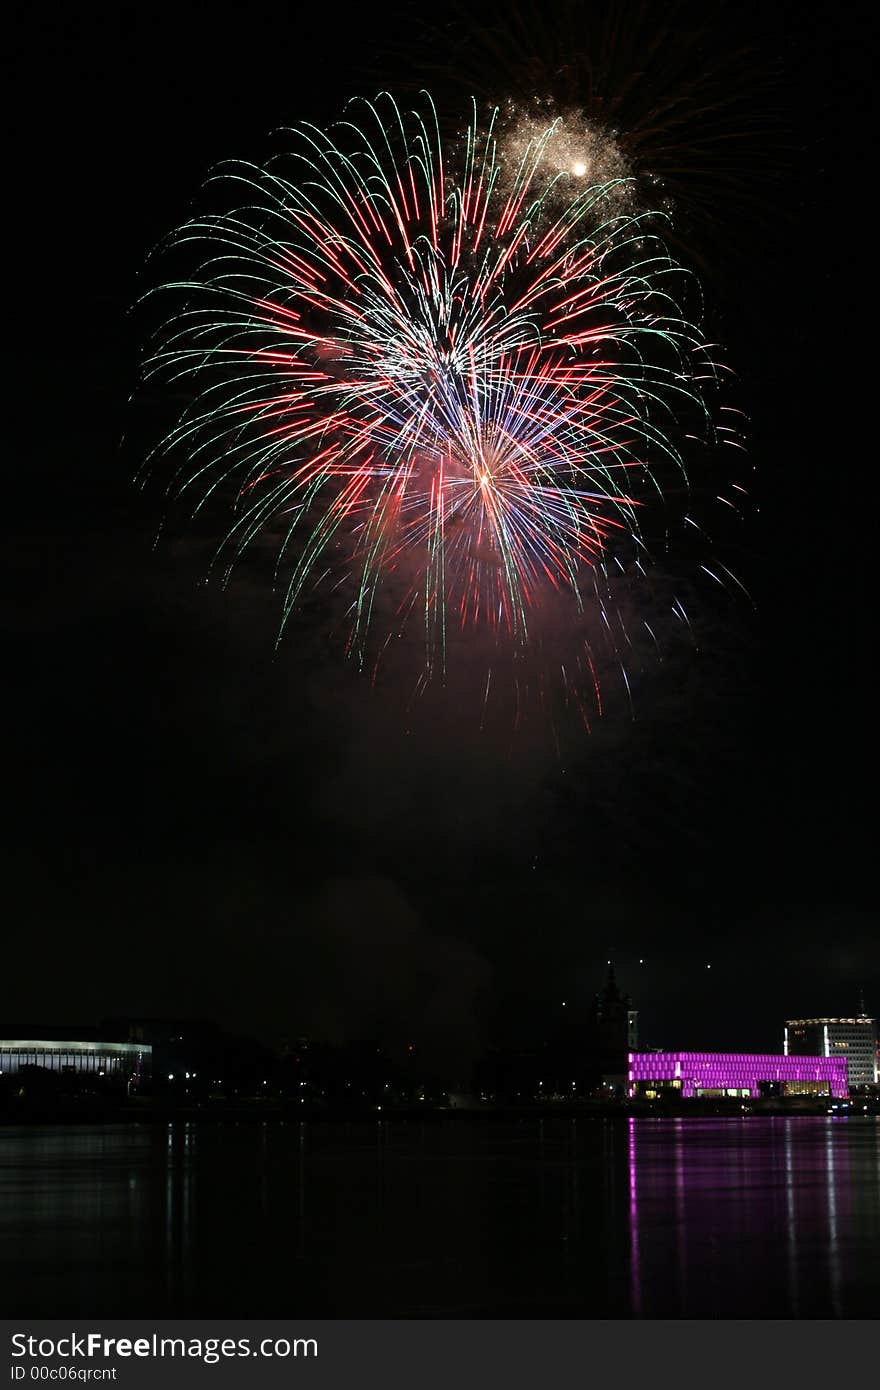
(611, 991)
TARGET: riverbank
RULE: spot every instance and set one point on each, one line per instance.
(158, 1110)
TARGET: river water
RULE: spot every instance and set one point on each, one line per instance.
(448, 1217)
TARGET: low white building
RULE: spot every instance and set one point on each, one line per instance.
(121, 1062)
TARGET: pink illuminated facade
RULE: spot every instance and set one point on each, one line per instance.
(734, 1073)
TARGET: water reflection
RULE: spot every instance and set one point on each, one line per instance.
(839, 1214)
(771, 1217)
(635, 1267)
(791, 1228)
(467, 1217)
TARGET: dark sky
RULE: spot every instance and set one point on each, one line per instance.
(197, 825)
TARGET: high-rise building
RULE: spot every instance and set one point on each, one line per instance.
(854, 1039)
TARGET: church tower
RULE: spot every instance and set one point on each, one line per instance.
(615, 1030)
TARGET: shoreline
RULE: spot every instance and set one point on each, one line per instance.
(149, 1112)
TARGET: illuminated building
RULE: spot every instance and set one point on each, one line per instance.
(734, 1074)
(854, 1039)
(120, 1063)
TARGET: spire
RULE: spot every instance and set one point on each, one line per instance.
(611, 990)
(863, 1012)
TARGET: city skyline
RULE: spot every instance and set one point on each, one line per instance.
(601, 1034)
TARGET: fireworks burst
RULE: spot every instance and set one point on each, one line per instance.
(445, 378)
(689, 97)
(573, 152)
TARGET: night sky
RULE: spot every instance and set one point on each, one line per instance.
(199, 826)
